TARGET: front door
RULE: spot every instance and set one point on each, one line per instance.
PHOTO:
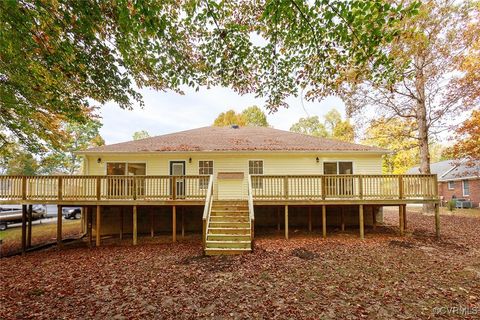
(177, 168)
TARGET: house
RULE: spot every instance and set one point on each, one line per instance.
(225, 183)
(456, 180)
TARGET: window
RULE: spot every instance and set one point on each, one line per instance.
(451, 185)
(116, 169)
(338, 187)
(466, 187)
(340, 167)
(124, 168)
(204, 168)
(119, 187)
(256, 167)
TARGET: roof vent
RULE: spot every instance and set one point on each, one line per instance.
(235, 126)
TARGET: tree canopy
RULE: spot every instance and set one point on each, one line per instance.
(252, 116)
(467, 137)
(332, 127)
(58, 59)
(429, 93)
(142, 134)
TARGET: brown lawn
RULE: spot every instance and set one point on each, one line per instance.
(383, 277)
(42, 233)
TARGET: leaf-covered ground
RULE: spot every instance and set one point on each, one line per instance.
(383, 277)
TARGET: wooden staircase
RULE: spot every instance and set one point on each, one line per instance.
(229, 228)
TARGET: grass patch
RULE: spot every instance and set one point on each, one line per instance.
(42, 233)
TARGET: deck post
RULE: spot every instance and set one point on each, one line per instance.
(374, 217)
(400, 219)
(361, 222)
(174, 223)
(152, 221)
(122, 213)
(183, 223)
(24, 229)
(29, 228)
(98, 227)
(134, 230)
(309, 219)
(59, 225)
(82, 220)
(437, 220)
(286, 222)
(278, 219)
(324, 221)
(89, 226)
(405, 217)
(342, 218)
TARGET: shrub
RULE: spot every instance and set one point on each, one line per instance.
(451, 205)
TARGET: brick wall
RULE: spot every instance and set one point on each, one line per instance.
(458, 192)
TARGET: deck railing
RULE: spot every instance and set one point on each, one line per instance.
(96, 188)
(263, 187)
(333, 187)
(207, 210)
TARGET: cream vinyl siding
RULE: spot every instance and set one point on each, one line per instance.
(273, 164)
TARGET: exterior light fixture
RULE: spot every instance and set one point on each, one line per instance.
(318, 160)
(99, 160)
(190, 160)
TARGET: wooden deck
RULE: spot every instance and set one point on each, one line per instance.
(192, 190)
(95, 192)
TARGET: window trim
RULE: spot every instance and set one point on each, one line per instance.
(201, 185)
(451, 187)
(463, 188)
(126, 166)
(213, 166)
(260, 185)
(338, 165)
(263, 166)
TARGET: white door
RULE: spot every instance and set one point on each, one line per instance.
(177, 168)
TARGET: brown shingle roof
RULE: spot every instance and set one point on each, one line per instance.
(229, 139)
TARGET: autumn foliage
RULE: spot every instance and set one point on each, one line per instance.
(468, 137)
(383, 277)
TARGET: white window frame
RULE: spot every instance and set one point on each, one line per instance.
(451, 185)
(201, 184)
(260, 184)
(338, 164)
(463, 188)
(126, 165)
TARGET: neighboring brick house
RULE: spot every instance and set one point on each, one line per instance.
(456, 180)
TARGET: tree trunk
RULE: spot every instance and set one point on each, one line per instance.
(421, 115)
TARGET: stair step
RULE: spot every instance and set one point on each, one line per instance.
(218, 251)
(228, 237)
(228, 230)
(228, 219)
(218, 224)
(242, 244)
(230, 209)
(229, 214)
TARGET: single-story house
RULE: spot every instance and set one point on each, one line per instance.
(225, 183)
(456, 180)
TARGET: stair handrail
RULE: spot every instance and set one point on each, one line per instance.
(207, 209)
(251, 213)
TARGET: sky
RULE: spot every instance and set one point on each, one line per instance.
(166, 112)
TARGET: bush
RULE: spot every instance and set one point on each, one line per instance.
(451, 205)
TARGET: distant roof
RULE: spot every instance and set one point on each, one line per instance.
(211, 139)
(452, 170)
